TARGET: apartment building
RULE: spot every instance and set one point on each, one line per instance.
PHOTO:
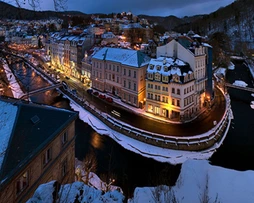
(67, 52)
(177, 80)
(122, 73)
(38, 146)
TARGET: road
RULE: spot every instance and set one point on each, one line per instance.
(202, 124)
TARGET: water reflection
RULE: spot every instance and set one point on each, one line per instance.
(96, 141)
(129, 169)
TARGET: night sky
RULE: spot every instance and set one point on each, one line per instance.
(179, 8)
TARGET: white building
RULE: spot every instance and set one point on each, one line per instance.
(121, 72)
(176, 80)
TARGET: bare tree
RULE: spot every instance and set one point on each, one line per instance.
(89, 165)
(35, 4)
(163, 193)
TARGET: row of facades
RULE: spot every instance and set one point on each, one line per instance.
(177, 84)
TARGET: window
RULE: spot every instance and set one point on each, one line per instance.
(64, 167)
(124, 83)
(64, 138)
(129, 85)
(178, 102)
(47, 156)
(129, 73)
(178, 91)
(134, 87)
(173, 101)
(134, 74)
(173, 90)
(158, 67)
(22, 182)
(124, 71)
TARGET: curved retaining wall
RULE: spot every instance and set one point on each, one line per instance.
(192, 143)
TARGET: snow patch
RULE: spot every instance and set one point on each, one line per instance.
(199, 180)
(240, 83)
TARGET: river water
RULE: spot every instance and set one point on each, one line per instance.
(237, 151)
(131, 170)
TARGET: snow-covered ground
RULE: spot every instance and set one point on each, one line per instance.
(231, 66)
(157, 153)
(74, 191)
(14, 85)
(240, 83)
(199, 181)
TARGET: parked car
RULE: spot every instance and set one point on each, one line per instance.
(95, 93)
(102, 96)
(109, 99)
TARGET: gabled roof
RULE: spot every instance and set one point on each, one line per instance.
(124, 56)
(32, 127)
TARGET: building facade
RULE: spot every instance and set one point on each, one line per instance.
(120, 72)
(40, 148)
(176, 84)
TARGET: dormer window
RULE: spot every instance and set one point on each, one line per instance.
(175, 78)
(158, 68)
(165, 69)
(151, 67)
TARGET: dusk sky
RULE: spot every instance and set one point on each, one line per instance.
(179, 8)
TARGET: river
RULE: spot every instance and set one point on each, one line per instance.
(131, 170)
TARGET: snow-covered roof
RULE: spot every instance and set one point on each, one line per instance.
(206, 45)
(124, 56)
(8, 115)
(173, 66)
(196, 36)
(132, 25)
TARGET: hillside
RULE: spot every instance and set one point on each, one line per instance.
(11, 12)
(236, 20)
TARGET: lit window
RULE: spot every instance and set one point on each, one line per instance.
(22, 182)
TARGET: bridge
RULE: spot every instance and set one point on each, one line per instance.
(41, 90)
(240, 87)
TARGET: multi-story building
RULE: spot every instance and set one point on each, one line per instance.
(67, 52)
(177, 86)
(122, 73)
(37, 146)
(170, 88)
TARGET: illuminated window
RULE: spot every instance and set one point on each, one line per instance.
(22, 183)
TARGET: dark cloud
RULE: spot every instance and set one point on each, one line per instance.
(178, 8)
